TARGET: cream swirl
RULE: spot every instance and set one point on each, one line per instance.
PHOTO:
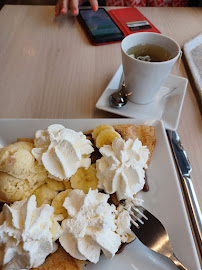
(92, 226)
(121, 168)
(27, 234)
(62, 151)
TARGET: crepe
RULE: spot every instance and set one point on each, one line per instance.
(60, 260)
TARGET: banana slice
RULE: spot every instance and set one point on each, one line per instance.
(99, 129)
(44, 195)
(58, 185)
(67, 184)
(58, 202)
(84, 179)
(106, 137)
(47, 192)
(55, 185)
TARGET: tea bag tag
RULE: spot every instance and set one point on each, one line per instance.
(146, 58)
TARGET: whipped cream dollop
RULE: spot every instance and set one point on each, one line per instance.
(62, 151)
(124, 219)
(121, 168)
(27, 234)
(93, 226)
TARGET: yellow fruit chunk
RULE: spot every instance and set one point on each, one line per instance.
(58, 202)
(56, 185)
(106, 137)
(84, 179)
(99, 129)
(67, 184)
(44, 195)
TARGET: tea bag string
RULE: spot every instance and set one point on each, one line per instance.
(179, 61)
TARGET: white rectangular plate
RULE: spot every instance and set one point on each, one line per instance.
(166, 107)
(164, 198)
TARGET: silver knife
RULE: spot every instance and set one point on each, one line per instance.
(184, 168)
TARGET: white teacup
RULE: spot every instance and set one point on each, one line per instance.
(144, 79)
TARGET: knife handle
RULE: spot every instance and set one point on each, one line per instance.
(194, 209)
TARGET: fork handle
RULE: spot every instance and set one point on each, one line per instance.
(178, 263)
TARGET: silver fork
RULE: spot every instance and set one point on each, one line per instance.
(151, 232)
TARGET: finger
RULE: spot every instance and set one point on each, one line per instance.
(64, 7)
(58, 7)
(94, 4)
(74, 5)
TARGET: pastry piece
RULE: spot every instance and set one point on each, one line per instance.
(20, 173)
(61, 260)
(145, 133)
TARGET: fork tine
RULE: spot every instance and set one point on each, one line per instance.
(135, 220)
(143, 212)
(138, 213)
(135, 223)
(136, 216)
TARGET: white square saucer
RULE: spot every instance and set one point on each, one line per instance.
(166, 106)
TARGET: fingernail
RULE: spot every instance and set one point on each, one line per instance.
(74, 12)
(95, 8)
(63, 11)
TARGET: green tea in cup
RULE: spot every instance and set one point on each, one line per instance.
(150, 53)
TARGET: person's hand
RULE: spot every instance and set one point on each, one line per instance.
(62, 6)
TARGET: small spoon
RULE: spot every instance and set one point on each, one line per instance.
(119, 99)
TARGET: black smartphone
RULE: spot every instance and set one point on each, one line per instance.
(99, 26)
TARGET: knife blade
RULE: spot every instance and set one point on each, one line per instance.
(184, 168)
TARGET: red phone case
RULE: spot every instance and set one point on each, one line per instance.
(126, 15)
(122, 16)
